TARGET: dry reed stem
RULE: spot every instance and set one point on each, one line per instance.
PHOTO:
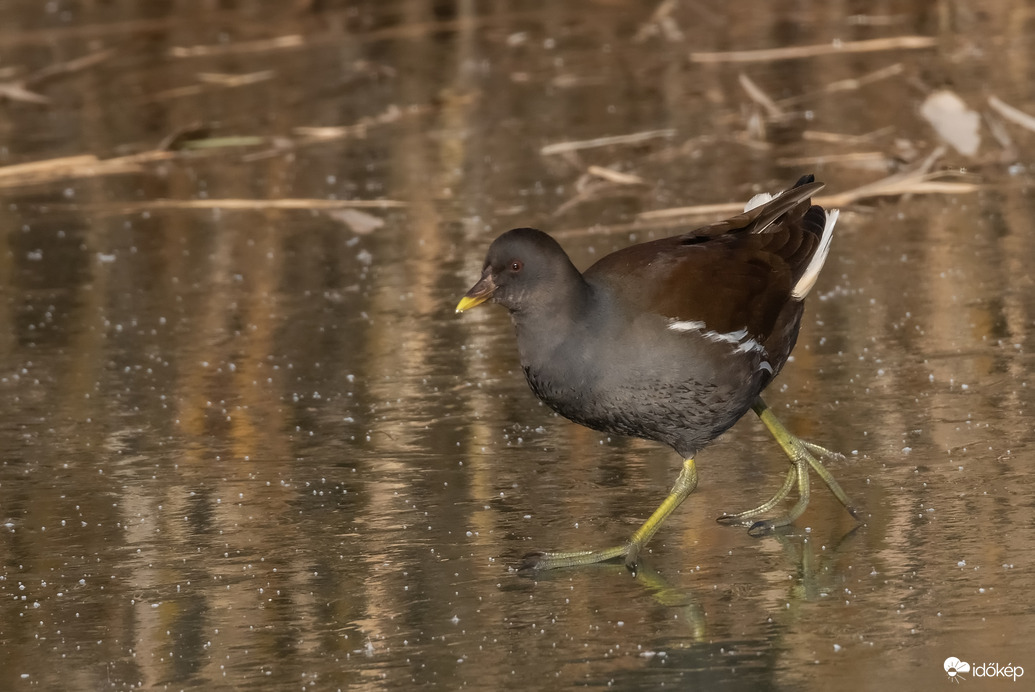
(83, 166)
(839, 138)
(67, 67)
(918, 182)
(895, 189)
(760, 97)
(614, 176)
(18, 90)
(563, 147)
(389, 115)
(229, 142)
(309, 135)
(239, 48)
(236, 204)
(53, 35)
(692, 210)
(36, 167)
(1017, 117)
(850, 84)
(235, 80)
(876, 19)
(850, 157)
(677, 217)
(832, 48)
(660, 21)
(211, 81)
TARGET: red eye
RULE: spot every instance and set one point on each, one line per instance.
(515, 266)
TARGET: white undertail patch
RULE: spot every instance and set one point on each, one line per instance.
(758, 200)
(808, 279)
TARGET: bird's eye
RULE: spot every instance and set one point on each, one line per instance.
(516, 265)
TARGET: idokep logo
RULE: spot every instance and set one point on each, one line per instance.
(955, 669)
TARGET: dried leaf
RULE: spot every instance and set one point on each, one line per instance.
(360, 222)
(953, 121)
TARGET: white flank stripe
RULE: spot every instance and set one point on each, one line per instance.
(808, 279)
(686, 326)
(730, 338)
(750, 345)
(739, 338)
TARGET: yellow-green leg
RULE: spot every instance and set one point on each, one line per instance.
(802, 455)
(685, 484)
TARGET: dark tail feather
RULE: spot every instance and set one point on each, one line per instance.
(805, 180)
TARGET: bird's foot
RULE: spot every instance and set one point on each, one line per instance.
(538, 561)
(803, 455)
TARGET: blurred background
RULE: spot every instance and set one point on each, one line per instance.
(246, 442)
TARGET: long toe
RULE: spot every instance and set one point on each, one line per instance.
(762, 528)
(732, 520)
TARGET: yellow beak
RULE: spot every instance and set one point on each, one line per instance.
(466, 303)
(479, 293)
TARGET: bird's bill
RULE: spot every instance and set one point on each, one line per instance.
(478, 294)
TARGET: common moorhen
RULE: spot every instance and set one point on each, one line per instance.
(671, 340)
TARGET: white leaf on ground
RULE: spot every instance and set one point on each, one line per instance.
(360, 222)
(953, 121)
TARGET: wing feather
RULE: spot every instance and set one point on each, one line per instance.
(740, 273)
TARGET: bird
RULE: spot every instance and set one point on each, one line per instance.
(671, 340)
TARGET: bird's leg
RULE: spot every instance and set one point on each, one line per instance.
(685, 484)
(802, 454)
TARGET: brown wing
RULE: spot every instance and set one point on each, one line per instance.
(732, 275)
